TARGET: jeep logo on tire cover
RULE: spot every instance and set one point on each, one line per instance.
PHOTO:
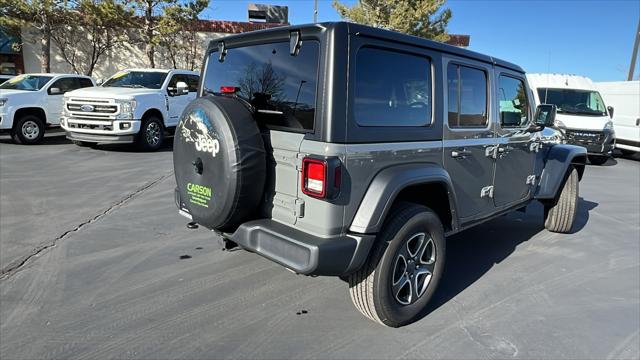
(196, 128)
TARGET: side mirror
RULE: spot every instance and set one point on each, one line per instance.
(610, 109)
(55, 91)
(100, 82)
(545, 115)
(182, 88)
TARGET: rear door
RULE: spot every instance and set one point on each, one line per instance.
(516, 148)
(282, 89)
(469, 136)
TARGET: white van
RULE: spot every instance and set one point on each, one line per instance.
(624, 96)
(582, 116)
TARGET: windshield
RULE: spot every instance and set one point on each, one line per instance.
(26, 82)
(137, 79)
(281, 87)
(574, 102)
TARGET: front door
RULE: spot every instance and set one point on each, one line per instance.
(469, 137)
(177, 103)
(516, 148)
(54, 97)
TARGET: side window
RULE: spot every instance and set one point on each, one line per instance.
(392, 89)
(84, 82)
(174, 81)
(467, 89)
(64, 84)
(514, 105)
(192, 81)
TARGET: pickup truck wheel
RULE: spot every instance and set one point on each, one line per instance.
(598, 159)
(151, 134)
(28, 130)
(560, 217)
(404, 268)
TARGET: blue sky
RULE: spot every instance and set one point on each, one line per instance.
(591, 38)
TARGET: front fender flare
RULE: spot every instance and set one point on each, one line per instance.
(386, 186)
(558, 160)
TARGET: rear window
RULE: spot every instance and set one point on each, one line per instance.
(281, 87)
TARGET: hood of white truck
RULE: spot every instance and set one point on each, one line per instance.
(23, 96)
(111, 92)
(583, 122)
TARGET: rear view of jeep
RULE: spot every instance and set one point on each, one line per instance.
(320, 147)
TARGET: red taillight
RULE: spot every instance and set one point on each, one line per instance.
(229, 89)
(314, 177)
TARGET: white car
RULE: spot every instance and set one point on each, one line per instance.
(624, 97)
(582, 116)
(133, 106)
(32, 102)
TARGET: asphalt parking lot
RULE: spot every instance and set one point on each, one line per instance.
(96, 263)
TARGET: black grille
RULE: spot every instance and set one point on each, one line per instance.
(584, 136)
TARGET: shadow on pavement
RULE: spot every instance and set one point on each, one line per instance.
(610, 162)
(132, 148)
(50, 138)
(471, 253)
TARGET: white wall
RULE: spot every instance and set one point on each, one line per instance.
(131, 56)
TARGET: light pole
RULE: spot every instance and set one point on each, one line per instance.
(315, 11)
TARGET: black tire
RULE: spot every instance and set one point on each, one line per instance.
(561, 216)
(379, 290)
(220, 162)
(28, 130)
(151, 135)
(598, 159)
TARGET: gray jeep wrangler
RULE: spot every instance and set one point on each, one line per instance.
(344, 150)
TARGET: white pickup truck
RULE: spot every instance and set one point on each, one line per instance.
(32, 102)
(133, 106)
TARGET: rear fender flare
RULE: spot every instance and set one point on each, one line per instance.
(386, 186)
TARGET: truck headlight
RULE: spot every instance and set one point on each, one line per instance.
(608, 126)
(127, 107)
(3, 101)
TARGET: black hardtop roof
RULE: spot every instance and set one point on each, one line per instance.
(364, 30)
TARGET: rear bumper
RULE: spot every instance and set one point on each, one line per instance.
(102, 139)
(299, 251)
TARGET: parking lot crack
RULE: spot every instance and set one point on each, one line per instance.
(20, 263)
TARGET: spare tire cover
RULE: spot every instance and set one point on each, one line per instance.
(219, 162)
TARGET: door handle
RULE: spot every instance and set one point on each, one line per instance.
(460, 154)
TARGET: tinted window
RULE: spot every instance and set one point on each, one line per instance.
(467, 88)
(26, 82)
(573, 102)
(514, 107)
(391, 89)
(65, 85)
(137, 79)
(190, 80)
(281, 87)
(84, 82)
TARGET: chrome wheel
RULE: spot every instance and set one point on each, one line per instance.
(152, 133)
(30, 130)
(413, 268)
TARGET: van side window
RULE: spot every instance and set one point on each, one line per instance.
(514, 105)
(392, 89)
(467, 89)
